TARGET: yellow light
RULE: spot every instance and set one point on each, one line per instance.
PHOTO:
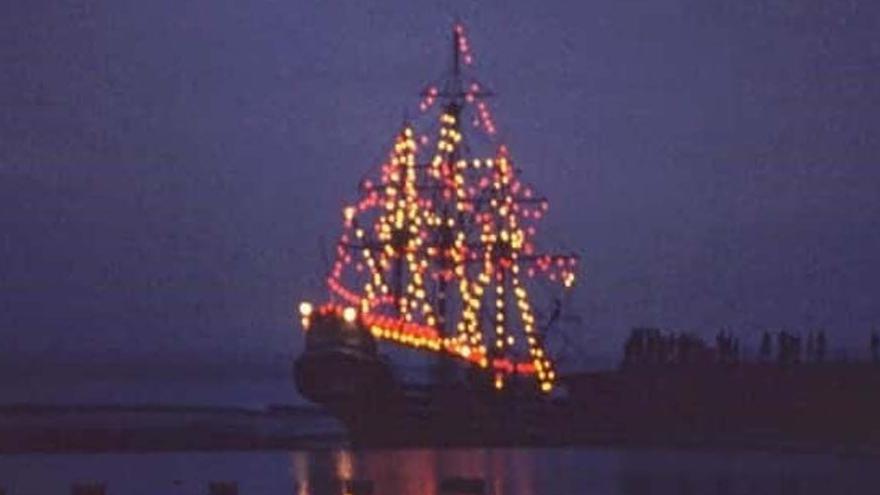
(349, 314)
(305, 309)
(348, 212)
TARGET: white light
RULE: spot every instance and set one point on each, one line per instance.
(305, 309)
(349, 314)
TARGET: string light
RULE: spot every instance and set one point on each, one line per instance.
(452, 228)
(463, 46)
(349, 314)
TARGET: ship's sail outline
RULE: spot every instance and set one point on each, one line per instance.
(439, 252)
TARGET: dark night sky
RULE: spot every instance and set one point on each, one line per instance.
(168, 168)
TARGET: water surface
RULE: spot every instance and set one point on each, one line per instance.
(587, 471)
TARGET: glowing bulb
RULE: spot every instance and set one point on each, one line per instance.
(499, 382)
(305, 309)
(349, 314)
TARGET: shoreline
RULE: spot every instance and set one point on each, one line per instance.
(33, 428)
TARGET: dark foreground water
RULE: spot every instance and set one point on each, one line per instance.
(411, 472)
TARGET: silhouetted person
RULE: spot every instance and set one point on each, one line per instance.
(634, 347)
(651, 348)
(875, 348)
(684, 348)
(766, 347)
(557, 310)
(811, 347)
(821, 346)
(782, 346)
(629, 348)
(639, 346)
(728, 347)
(663, 349)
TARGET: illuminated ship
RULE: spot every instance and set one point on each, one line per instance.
(438, 255)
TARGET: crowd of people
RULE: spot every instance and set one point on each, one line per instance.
(790, 348)
(652, 346)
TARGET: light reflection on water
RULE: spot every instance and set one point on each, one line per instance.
(421, 471)
(590, 471)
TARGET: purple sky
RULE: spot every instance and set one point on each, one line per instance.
(168, 169)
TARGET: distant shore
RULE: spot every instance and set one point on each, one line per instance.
(160, 427)
(28, 428)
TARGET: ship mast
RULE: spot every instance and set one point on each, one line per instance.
(453, 107)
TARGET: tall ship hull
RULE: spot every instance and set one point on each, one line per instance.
(342, 371)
